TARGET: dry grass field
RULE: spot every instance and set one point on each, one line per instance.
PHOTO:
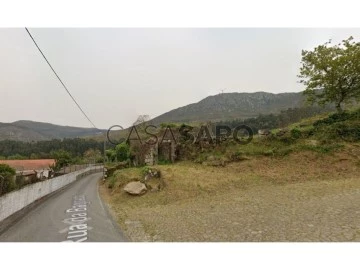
(305, 196)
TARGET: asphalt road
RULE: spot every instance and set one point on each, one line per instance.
(75, 214)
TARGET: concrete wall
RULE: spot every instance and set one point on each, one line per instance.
(14, 201)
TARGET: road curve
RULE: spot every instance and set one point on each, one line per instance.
(75, 214)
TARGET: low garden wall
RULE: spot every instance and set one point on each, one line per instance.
(14, 201)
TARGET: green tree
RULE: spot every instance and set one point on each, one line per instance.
(62, 158)
(7, 174)
(331, 74)
(92, 155)
(110, 154)
(122, 151)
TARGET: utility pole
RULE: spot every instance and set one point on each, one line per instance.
(104, 155)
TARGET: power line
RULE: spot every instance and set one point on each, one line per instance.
(77, 104)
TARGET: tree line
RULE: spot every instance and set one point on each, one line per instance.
(76, 147)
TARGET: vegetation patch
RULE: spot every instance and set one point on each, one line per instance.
(7, 179)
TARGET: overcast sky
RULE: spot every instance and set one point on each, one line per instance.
(118, 74)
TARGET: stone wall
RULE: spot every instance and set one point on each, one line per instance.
(167, 150)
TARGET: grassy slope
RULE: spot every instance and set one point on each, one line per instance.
(312, 165)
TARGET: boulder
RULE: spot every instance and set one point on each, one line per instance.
(135, 188)
(264, 132)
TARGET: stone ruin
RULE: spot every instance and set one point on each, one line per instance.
(167, 150)
(149, 153)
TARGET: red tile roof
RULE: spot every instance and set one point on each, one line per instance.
(32, 164)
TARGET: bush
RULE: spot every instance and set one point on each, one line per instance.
(348, 132)
(111, 155)
(295, 133)
(7, 174)
(307, 132)
(62, 158)
(112, 182)
(122, 152)
(338, 117)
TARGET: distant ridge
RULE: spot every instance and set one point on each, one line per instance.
(29, 131)
(227, 106)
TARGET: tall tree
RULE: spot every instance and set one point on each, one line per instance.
(331, 74)
(62, 158)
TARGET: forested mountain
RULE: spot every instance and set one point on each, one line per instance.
(227, 106)
(29, 131)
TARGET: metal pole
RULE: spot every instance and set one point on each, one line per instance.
(104, 155)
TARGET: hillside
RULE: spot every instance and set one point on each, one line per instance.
(308, 171)
(221, 107)
(259, 110)
(18, 133)
(28, 131)
(232, 105)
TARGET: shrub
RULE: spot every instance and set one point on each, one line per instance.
(338, 117)
(62, 158)
(110, 154)
(7, 174)
(112, 182)
(348, 132)
(122, 151)
(295, 133)
(145, 170)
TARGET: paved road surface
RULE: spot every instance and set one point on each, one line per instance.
(75, 214)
